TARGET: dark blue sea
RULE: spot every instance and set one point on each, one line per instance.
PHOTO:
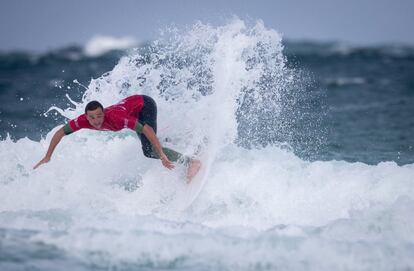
(311, 145)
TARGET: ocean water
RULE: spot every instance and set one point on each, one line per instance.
(311, 143)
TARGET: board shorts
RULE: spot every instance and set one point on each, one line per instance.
(148, 115)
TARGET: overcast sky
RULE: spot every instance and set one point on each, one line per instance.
(39, 25)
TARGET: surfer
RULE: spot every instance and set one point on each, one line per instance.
(138, 113)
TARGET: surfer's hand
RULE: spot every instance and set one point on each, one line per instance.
(41, 162)
(166, 162)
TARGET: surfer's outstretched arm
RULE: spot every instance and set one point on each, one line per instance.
(55, 140)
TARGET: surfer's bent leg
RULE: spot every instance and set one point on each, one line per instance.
(148, 115)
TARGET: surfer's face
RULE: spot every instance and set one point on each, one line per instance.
(95, 117)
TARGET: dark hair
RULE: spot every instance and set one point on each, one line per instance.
(92, 106)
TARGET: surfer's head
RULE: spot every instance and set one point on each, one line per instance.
(95, 114)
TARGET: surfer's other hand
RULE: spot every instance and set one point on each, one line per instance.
(166, 162)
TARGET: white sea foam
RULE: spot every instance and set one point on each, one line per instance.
(265, 204)
(105, 204)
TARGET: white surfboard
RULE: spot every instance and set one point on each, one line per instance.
(193, 188)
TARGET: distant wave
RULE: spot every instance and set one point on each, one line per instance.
(336, 49)
(344, 81)
(99, 45)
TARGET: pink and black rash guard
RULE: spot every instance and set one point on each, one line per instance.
(116, 117)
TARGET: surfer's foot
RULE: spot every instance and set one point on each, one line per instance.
(193, 169)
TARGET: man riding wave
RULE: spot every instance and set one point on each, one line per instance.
(138, 113)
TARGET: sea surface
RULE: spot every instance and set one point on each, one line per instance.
(311, 144)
